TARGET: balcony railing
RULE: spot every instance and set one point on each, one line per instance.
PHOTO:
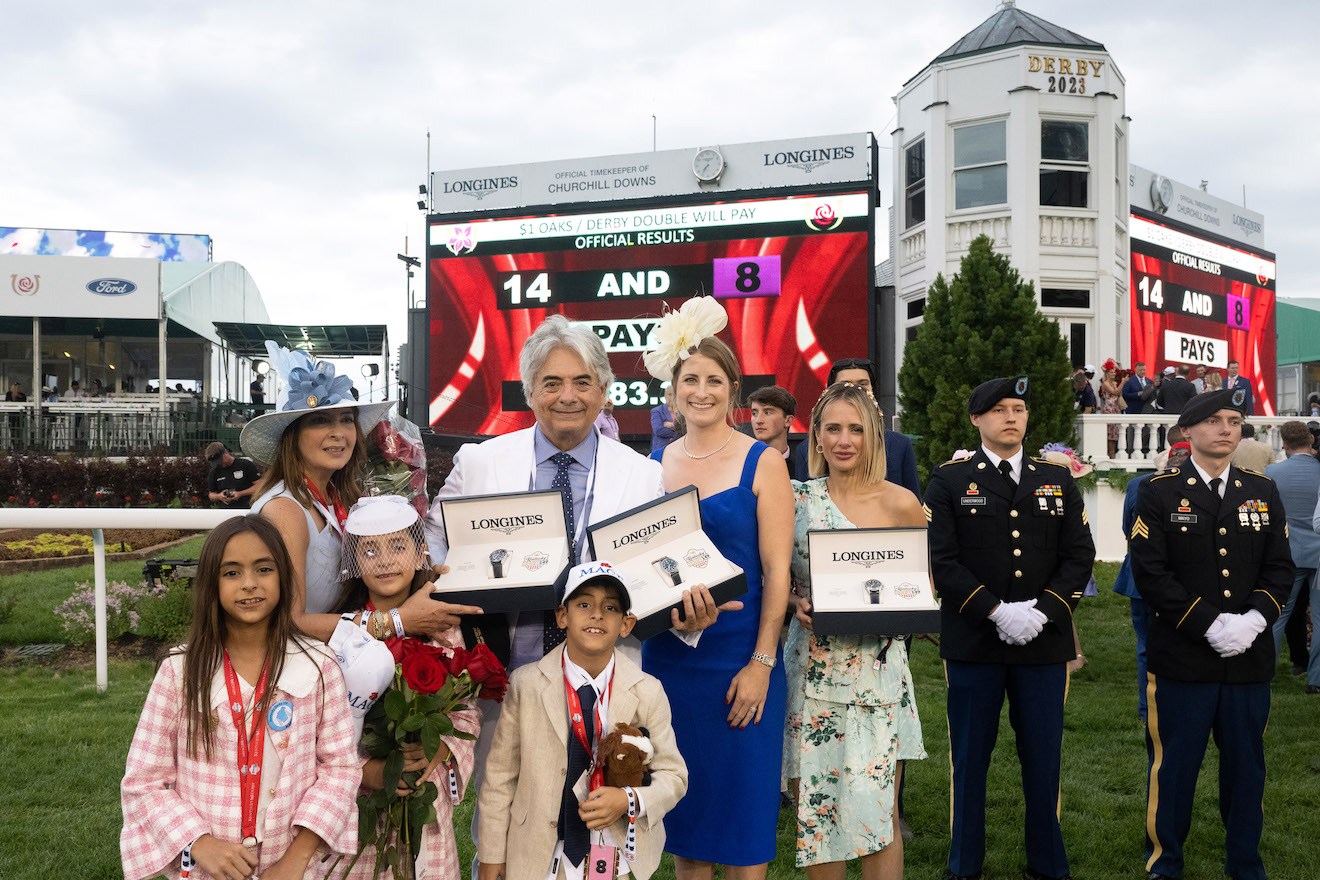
(1141, 437)
(120, 427)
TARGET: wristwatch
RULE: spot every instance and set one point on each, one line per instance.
(669, 566)
(873, 588)
(497, 558)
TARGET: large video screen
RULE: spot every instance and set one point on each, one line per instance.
(793, 271)
(1197, 300)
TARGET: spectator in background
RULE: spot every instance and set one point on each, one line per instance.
(1234, 382)
(231, 481)
(1313, 405)
(1213, 381)
(772, 409)
(15, 394)
(1298, 479)
(75, 391)
(1175, 391)
(257, 390)
(1132, 388)
(900, 458)
(664, 421)
(1150, 394)
(1252, 454)
(1175, 437)
(606, 422)
(1083, 394)
(1110, 403)
(1123, 584)
(1199, 382)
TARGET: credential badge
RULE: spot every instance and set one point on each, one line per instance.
(280, 716)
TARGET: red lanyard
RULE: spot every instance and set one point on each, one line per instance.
(580, 727)
(249, 749)
(341, 513)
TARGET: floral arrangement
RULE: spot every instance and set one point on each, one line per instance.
(307, 382)
(396, 461)
(677, 331)
(1082, 470)
(430, 684)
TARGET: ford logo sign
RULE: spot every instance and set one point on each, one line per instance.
(111, 286)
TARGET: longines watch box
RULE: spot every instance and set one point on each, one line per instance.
(662, 549)
(871, 582)
(505, 550)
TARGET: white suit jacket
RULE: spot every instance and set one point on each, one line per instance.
(623, 480)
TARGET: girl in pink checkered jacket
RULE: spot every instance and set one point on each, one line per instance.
(243, 763)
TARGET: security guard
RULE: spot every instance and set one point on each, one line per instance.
(1210, 556)
(1011, 553)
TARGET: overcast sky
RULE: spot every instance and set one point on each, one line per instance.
(294, 133)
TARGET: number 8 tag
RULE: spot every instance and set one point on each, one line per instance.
(601, 862)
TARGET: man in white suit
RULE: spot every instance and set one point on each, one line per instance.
(565, 374)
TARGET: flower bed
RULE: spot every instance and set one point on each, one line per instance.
(153, 480)
(58, 543)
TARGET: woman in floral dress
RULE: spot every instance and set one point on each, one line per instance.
(1111, 402)
(852, 714)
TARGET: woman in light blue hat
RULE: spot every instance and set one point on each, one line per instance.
(313, 449)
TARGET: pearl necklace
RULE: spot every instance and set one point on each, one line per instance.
(712, 452)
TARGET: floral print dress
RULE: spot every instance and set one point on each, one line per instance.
(852, 716)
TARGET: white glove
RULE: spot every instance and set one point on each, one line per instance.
(1238, 632)
(1018, 622)
(1217, 634)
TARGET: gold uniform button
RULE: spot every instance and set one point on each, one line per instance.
(1016, 533)
(1223, 531)
(1224, 572)
(1017, 574)
(1228, 593)
(1012, 513)
(1017, 551)
(271, 792)
(1223, 551)
(973, 511)
(1184, 528)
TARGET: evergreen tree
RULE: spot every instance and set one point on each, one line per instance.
(982, 324)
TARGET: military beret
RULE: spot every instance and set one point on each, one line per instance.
(1203, 406)
(987, 394)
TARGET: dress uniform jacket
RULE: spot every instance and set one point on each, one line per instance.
(1195, 557)
(989, 543)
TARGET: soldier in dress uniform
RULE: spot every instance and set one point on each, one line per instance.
(1210, 556)
(1011, 553)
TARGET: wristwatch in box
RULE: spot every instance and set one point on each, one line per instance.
(669, 566)
(873, 588)
(497, 559)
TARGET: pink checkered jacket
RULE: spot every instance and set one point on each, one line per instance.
(169, 799)
(438, 859)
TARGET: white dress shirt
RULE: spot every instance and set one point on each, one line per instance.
(1014, 462)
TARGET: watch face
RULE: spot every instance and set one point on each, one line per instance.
(874, 586)
(669, 565)
(708, 164)
(499, 555)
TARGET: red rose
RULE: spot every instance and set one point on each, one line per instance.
(424, 666)
(486, 670)
(459, 660)
(396, 648)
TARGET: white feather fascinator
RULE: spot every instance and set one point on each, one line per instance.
(695, 320)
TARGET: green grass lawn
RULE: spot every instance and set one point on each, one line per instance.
(64, 747)
(37, 593)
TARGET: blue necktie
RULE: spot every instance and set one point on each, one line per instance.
(552, 635)
(572, 830)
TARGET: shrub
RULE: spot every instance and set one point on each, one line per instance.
(166, 611)
(153, 480)
(78, 612)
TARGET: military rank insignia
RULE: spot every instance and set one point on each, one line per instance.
(1139, 530)
(1254, 513)
(1050, 498)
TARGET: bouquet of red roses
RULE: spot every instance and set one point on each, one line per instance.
(430, 684)
(396, 461)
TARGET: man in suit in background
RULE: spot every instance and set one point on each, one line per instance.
(1176, 391)
(1298, 479)
(1233, 382)
(900, 457)
(1132, 390)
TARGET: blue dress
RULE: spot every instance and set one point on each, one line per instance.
(731, 809)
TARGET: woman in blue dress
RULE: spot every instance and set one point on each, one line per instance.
(728, 693)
